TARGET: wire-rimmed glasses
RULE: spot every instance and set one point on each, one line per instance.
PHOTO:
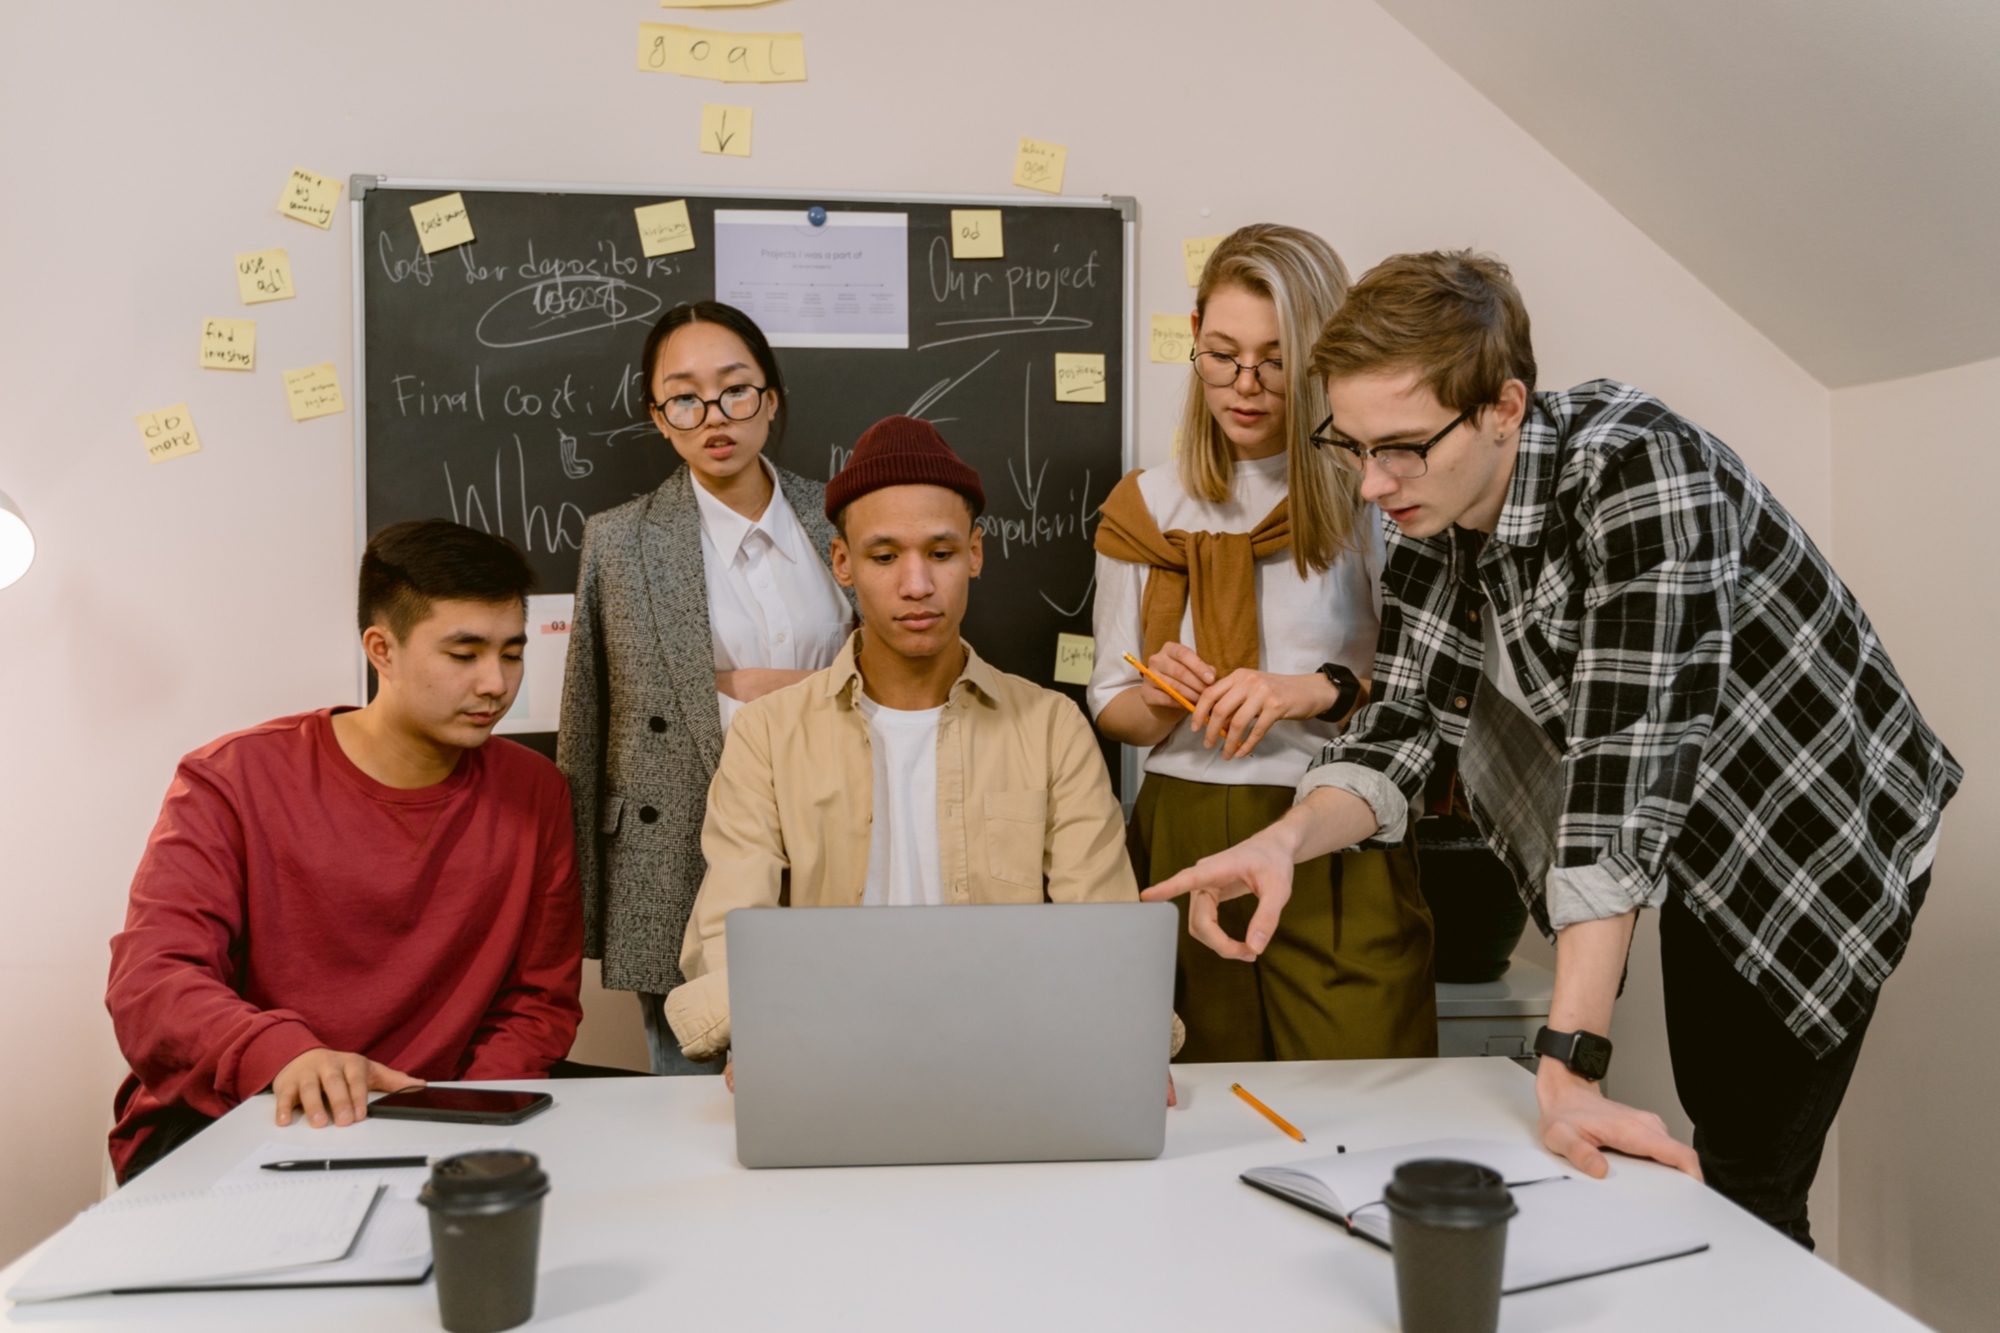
(1220, 370)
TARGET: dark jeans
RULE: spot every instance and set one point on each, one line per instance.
(1761, 1104)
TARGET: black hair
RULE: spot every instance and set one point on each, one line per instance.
(738, 323)
(408, 566)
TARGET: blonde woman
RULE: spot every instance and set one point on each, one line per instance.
(1246, 574)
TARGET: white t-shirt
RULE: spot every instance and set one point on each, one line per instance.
(1301, 622)
(772, 602)
(903, 865)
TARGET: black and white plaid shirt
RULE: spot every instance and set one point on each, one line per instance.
(1730, 727)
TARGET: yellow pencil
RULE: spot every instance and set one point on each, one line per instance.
(1148, 674)
(1268, 1113)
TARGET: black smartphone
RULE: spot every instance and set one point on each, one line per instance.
(473, 1106)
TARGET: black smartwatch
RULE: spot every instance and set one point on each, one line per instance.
(1587, 1054)
(1346, 684)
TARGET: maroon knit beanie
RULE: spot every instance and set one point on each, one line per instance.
(902, 451)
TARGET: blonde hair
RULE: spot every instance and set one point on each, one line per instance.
(1302, 276)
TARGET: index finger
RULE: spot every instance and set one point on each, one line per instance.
(1565, 1140)
(1200, 875)
(1186, 656)
(1264, 921)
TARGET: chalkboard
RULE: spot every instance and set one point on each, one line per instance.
(501, 386)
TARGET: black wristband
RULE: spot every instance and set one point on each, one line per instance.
(1585, 1053)
(1347, 688)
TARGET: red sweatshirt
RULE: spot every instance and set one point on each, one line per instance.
(287, 900)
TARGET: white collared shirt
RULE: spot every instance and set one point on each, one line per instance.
(772, 601)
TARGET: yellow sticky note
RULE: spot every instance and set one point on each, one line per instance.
(975, 234)
(310, 198)
(1173, 338)
(725, 130)
(264, 275)
(1174, 449)
(314, 392)
(1195, 252)
(728, 57)
(1076, 656)
(169, 433)
(664, 229)
(229, 344)
(1039, 166)
(1079, 377)
(441, 223)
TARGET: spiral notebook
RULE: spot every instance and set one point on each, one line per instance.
(1567, 1228)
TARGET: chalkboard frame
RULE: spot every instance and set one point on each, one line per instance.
(361, 184)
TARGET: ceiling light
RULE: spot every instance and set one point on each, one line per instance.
(17, 543)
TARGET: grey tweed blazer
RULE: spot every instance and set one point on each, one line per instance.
(640, 734)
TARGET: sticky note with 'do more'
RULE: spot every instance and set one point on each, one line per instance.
(442, 222)
(309, 198)
(1039, 166)
(664, 229)
(1076, 657)
(229, 344)
(725, 130)
(169, 433)
(975, 234)
(264, 275)
(1195, 252)
(313, 391)
(1079, 377)
(1173, 338)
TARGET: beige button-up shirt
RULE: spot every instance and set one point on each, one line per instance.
(1025, 814)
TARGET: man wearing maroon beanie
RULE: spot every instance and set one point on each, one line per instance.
(909, 772)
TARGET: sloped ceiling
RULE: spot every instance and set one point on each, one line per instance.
(1830, 168)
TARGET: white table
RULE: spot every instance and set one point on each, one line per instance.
(652, 1224)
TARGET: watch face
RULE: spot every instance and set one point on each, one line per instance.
(1592, 1056)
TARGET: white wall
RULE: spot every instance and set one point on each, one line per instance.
(143, 145)
(1915, 475)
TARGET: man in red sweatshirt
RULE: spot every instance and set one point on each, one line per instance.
(354, 900)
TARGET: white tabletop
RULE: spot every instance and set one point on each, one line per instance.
(652, 1224)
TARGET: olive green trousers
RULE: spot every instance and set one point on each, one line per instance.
(1347, 976)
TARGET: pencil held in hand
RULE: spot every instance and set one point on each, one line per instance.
(1268, 1113)
(1149, 674)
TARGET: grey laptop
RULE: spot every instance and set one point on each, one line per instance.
(872, 1036)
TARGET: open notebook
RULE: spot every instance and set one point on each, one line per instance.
(1567, 1227)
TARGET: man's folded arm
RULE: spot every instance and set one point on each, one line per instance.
(744, 845)
(182, 1026)
(1083, 852)
(533, 1020)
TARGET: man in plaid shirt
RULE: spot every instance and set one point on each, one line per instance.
(1657, 694)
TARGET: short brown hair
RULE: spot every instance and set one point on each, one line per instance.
(1454, 316)
(410, 565)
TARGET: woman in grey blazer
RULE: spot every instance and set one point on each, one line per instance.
(690, 601)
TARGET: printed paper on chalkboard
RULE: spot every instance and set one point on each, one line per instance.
(845, 283)
(169, 433)
(441, 223)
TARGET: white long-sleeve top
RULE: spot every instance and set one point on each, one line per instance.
(772, 601)
(1301, 622)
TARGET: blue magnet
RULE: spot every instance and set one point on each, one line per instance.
(816, 215)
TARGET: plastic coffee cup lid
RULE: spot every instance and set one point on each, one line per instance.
(1441, 1192)
(477, 1182)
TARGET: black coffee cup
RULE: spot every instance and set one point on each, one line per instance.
(1448, 1232)
(486, 1234)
